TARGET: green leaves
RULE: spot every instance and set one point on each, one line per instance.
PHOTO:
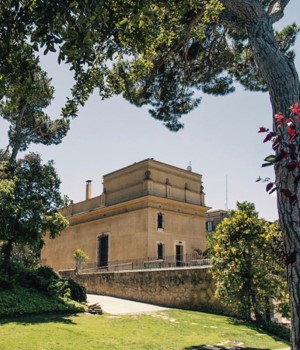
(172, 49)
(29, 201)
(270, 159)
(246, 269)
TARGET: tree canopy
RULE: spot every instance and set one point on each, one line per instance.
(155, 53)
(249, 276)
(29, 203)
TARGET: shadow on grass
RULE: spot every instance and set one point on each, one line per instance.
(276, 331)
(209, 347)
(41, 318)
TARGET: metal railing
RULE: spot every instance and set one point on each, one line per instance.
(167, 262)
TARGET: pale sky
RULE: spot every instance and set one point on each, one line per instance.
(220, 139)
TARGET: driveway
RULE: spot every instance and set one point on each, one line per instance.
(116, 306)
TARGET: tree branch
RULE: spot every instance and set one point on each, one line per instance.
(18, 140)
(251, 10)
(231, 20)
(276, 9)
(247, 10)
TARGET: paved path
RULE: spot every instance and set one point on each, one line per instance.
(116, 306)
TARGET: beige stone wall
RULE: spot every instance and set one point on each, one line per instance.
(84, 206)
(187, 228)
(132, 230)
(150, 177)
(127, 240)
(182, 288)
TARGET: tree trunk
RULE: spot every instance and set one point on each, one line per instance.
(18, 137)
(7, 251)
(283, 83)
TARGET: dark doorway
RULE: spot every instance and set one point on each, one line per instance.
(179, 255)
(103, 250)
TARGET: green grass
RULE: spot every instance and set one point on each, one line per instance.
(168, 330)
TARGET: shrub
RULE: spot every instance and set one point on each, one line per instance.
(45, 280)
(6, 283)
(47, 273)
(277, 329)
(28, 301)
(77, 291)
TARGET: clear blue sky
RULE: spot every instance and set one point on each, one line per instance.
(219, 139)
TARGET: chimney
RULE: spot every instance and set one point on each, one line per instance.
(88, 189)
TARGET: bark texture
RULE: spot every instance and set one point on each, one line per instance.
(18, 134)
(283, 83)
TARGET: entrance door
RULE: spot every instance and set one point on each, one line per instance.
(103, 251)
(179, 255)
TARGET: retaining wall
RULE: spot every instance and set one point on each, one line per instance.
(185, 288)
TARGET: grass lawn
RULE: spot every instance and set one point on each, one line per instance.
(168, 330)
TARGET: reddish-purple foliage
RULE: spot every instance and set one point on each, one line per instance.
(287, 151)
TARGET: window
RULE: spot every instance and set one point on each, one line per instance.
(160, 221)
(160, 251)
(209, 226)
(103, 250)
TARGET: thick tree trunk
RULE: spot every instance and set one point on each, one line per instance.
(283, 82)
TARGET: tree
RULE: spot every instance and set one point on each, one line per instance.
(80, 258)
(249, 276)
(159, 53)
(27, 93)
(29, 203)
(29, 190)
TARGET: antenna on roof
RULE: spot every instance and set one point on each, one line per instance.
(226, 203)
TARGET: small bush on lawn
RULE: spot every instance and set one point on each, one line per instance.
(27, 301)
(43, 279)
(77, 292)
(31, 291)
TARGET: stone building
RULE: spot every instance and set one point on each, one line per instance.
(147, 210)
(214, 218)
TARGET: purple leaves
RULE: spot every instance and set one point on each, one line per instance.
(287, 151)
(262, 129)
(270, 188)
(269, 136)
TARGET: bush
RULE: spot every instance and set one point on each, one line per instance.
(47, 273)
(27, 301)
(6, 283)
(277, 329)
(43, 279)
(77, 292)
(26, 291)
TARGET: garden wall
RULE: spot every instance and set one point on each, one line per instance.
(185, 288)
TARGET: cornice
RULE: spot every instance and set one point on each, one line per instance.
(148, 201)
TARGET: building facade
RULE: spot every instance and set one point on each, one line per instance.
(214, 218)
(147, 210)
